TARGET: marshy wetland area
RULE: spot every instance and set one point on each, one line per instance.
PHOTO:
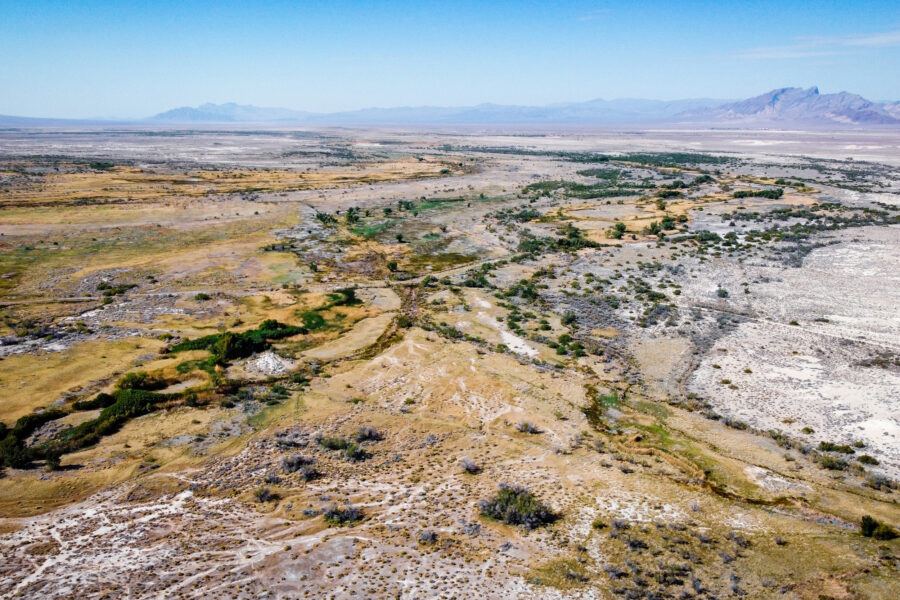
(347, 363)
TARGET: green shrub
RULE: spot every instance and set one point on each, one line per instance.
(832, 447)
(831, 463)
(28, 424)
(515, 505)
(334, 443)
(707, 236)
(350, 450)
(872, 528)
(99, 401)
(141, 380)
(344, 297)
(616, 231)
(343, 516)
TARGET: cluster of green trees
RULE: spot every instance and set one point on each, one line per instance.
(135, 395)
(670, 159)
(669, 194)
(610, 175)
(569, 239)
(352, 215)
(573, 189)
(771, 194)
(519, 215)
(13, 451)
(118, 407)
(109, 290)
(667, 223)
(230, 345)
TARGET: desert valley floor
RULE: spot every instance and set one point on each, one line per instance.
(401, 364)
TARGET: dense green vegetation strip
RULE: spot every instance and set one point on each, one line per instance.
(134, 395)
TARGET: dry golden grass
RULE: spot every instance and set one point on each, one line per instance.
(221, 255)
(31, 381)
(25, 494)
(133, 184)
(133, 451)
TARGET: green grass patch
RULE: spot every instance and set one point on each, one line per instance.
(562, 573)
(371, 230)
(653, 408)
(440, 261)
(313, 321)
(439, 203)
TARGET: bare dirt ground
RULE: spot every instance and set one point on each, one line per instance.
(299, 364)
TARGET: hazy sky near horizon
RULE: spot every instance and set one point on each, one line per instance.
(128, 58)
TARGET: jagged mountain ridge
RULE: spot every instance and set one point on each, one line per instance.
(798, 105)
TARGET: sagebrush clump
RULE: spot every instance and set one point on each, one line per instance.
(515, 505)
(343, 516)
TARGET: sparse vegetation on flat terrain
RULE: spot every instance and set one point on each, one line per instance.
(375, 364)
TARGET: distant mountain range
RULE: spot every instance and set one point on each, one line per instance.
(786, 106)
(779, 108)
(605, 111)
(230, 113)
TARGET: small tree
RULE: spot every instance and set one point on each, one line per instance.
(52, 458)
(874, 529)
(617, 231)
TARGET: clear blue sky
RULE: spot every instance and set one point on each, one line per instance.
(127, 58)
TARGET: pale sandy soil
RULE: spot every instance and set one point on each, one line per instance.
(809, 373)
